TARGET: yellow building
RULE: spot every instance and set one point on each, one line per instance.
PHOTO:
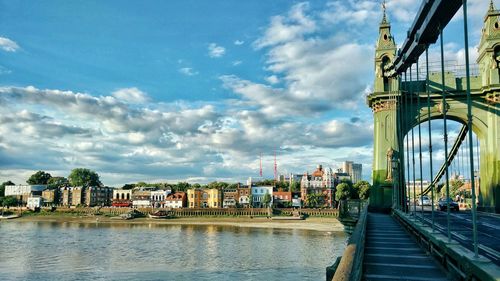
(204, 198)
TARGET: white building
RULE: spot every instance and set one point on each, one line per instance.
(158, 197)
(320, 182)
(19, 190)
(22, 192)
(176, 200)
(258, 193)
(122, 194)
(141, 203)
(34, 202)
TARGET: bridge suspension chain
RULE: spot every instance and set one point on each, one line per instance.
(420, 149)
(445, 133)
(430, 131)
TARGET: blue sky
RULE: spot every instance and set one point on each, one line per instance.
(192, 90)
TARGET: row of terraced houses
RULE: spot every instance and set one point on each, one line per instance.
(320, 184)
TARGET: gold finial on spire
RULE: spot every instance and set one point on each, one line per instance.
(384, 17)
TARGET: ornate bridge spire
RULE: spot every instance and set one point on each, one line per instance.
(384, 17)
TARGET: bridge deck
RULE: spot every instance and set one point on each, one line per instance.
(391, 254)
(488, 230)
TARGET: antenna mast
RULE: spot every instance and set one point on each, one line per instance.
(260, 171)
(275, 168)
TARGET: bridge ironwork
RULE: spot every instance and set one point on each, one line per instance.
(409, 90)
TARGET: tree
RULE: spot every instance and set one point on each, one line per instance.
(181, 186)
(141, 184)
(266, 199)
(84, 177)
(265, 182)
(9, 201)
(295, 186)
(362, 190)
(56, 182)
(283, 185)
(39, 177)
(314, 200)
(2, 187)
(455, 186)
(128, 186)
(343, 192)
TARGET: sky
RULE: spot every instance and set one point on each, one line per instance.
(188, 90)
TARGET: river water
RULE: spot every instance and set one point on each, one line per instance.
(87, 251)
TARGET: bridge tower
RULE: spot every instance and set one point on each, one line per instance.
(486, 118)
(382, 102)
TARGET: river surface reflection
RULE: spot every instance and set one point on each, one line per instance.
(83, 251)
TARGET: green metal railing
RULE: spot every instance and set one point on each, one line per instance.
(427, 28)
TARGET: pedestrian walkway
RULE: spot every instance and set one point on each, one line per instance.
(391, 254)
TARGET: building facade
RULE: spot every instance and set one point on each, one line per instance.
(204, 198)
(122, 198)
(258, 193)
(176, 200)
(22, 192)
(34, 202)
(86, 196)
(318, 188)
(141, 198)
(244, 196)
(50, 197)
(97, 196)
(158, 198)
(282, 199)
(231, 197)
(354, 170)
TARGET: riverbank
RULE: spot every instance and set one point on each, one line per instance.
(312, 223)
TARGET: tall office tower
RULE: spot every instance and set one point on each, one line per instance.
(347, 167)
(356, 172)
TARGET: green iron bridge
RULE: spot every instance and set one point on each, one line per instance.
(394, 239)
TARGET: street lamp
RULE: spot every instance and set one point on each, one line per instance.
(394, 166)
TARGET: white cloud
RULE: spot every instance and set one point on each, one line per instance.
(237, 62)
(8, 45)
(79, 130)
(283, 29)
(131, 95)
(188, 71)
(215, 51)
(357, 13)
(4, 71)
(239, 42)
(273, 79)
(317, 73)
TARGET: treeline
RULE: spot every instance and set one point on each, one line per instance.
(77, 177)
(183, 186)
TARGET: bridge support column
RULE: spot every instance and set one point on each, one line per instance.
(489, 182)
(384, 150)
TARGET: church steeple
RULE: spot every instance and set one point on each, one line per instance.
(385, 52)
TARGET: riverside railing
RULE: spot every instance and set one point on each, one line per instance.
(350, 265)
